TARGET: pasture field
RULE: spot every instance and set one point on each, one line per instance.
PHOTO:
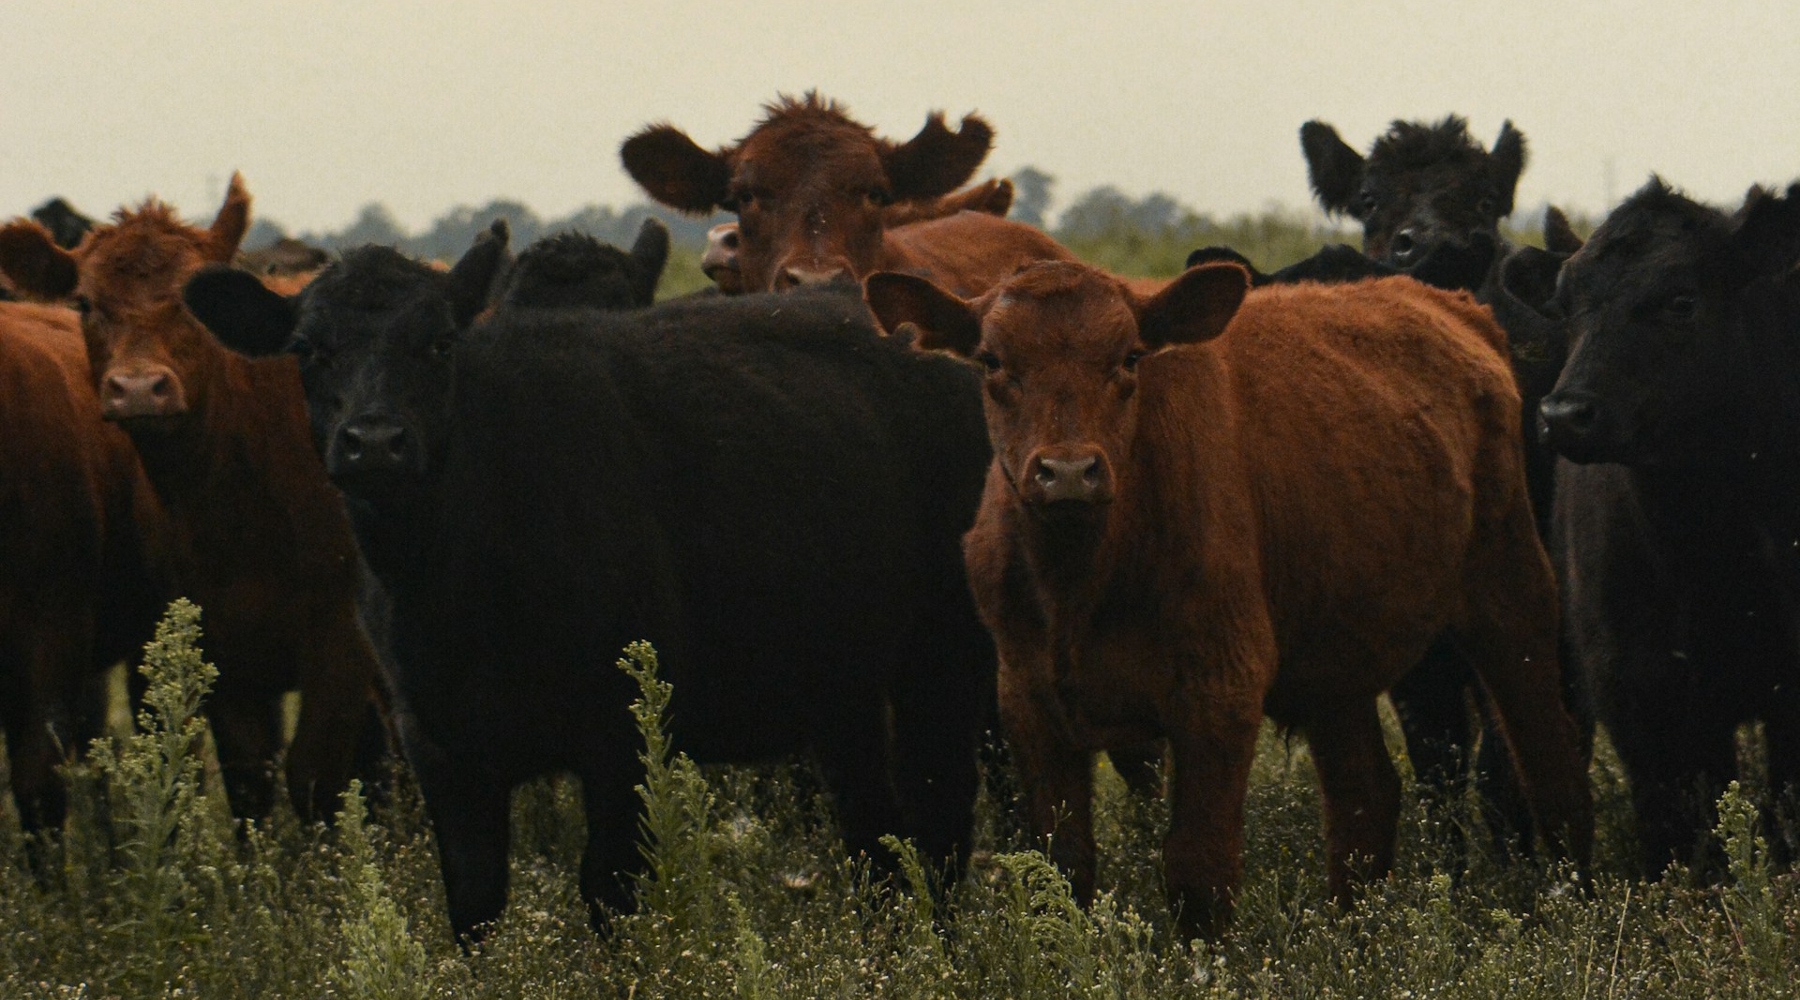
(152, 893)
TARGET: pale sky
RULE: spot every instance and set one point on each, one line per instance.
(327, 106)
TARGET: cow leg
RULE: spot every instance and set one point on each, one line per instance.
(1212, 743)
(1678, 765)
(853, 755)
(1782, 731)
(247, 733)
(1058, 780)
(50, 659)
(1511, 639)
(469, 807)
(1361, 793)
(32, 736)
(610, 801)
(337, 687)
(1140, 767)
(1432, 703)
(938, 716)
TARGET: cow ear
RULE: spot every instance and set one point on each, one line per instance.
(937, 161)
(229, 226)
(1767, 237)
(1559, 236)
(36, 266)
(945, 322)
(1528, 278)
(1335, 170)
(674, 170)
(650, 253)
(240, 310)
(472, 281)
(1506, 161)
(1195, 307)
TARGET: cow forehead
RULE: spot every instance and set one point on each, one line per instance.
(143, 255)
(787, 151)
(1642, 242)
(1060, 315)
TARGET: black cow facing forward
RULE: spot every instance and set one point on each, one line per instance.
(1678, 516)
(763, 486)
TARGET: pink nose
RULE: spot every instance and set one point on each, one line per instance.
(799, 277)
(143, 392)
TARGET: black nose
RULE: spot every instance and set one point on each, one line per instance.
(371, 444)
(1572, 425)
(1068, 478)
(1406, 249)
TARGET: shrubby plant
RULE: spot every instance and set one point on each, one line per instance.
(153, 891)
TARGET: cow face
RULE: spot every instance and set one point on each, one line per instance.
(809, 185)
(1662, 359)
(375, 336)
(151, 361)
(1420, 186)
(1062, 345)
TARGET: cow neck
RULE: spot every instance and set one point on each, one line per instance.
(1075, 573)
(227, 448)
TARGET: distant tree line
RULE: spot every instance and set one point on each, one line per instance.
(1151, 235)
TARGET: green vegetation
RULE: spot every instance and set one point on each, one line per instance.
(1149, 236)
(153, 893)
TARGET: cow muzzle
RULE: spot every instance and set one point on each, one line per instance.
(147, 391)
(720, 263)
(1575, 426)
(370, 450)
(1069, 480)
(812, 274)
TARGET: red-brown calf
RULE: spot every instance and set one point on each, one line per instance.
(1199, 514)
(815, 192)
(260, 538)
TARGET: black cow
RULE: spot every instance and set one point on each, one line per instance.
(1677, 522)
(1426, 193)
(575, 270)
(763, 486)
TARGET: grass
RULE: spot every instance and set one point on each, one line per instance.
(153, 892)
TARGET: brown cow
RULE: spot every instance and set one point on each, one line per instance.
(993, 196)
(812, 189)
(77, 520)
(262, 540)
(1183, 531)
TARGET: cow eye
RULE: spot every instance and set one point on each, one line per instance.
(1366, 202)
(1131, 359)
(1682, 306)
(743, 199)
(988, 360)
(1485, 206)
(440, 346)
(83, 305)
(880, 197)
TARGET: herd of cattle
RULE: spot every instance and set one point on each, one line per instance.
(912, 468)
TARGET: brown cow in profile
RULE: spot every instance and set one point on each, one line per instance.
(262, 542)
(78, 526)
(1194, 520)
(813, 190)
